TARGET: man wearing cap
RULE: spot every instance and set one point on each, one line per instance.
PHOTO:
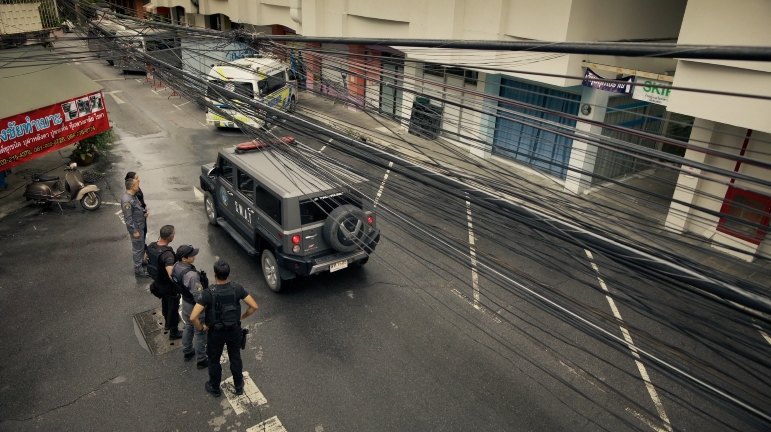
(190, 284)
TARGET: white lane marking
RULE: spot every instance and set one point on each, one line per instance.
(645, 419)
(322, 149)
(241, 403)
(198, 193)
(202, 124)
(139, 80)
(762, 333)
(118, 100)
(110, 203)
(382, 185)
(473, 255)
(182, 104)
(106, 79)
(628, 338)
(481, 308)
(272, 424)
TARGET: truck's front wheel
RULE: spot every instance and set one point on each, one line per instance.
(210, 207)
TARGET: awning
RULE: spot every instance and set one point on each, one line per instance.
(34, 77)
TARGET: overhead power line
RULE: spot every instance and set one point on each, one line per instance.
(626, 49)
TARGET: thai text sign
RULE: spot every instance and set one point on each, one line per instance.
(648, 90)
(26, 136)
(593, 80)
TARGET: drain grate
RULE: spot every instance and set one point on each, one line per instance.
(156, 339)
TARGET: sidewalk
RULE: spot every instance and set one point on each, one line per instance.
(439, 154)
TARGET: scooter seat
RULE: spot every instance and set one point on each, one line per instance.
(46, 177)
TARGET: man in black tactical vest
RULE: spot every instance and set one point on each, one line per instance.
(160, 262)
(222, 306)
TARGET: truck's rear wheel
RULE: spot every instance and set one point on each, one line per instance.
(270, 271)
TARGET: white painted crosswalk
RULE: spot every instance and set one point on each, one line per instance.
(241, 403)
(272, 424)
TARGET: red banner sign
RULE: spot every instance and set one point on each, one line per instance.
(26, 136)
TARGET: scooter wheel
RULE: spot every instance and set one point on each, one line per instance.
(91, 201)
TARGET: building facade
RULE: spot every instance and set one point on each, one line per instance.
(542, 110)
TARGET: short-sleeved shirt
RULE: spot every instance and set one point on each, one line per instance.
(191, 281)
(207, 298)
(133, 212)
(167, 259)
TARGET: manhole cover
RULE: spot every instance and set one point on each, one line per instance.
(150, 328)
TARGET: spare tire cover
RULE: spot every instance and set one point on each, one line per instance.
(346, 228)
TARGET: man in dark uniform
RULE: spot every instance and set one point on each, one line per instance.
(191, 284)
(160, 263)
(134, 217)
(222, 304)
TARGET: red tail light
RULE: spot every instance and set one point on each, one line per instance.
(296, 239)
(370, 219)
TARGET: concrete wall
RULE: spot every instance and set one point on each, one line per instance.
(740, 111)
(725, 23)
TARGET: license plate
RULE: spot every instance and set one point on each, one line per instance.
(338, 266)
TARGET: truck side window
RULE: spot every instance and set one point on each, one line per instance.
(226, 170)
(246, 185)
(268, 203)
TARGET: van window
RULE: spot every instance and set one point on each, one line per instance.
(272, 83)
(226, 170)
(268, 203)
(246, 185)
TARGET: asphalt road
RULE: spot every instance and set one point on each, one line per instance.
(422, 338)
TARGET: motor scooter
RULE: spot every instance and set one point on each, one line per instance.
(46, 189)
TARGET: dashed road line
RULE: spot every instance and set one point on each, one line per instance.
(118, 100)
(479, 307)
(272, 424)
(473, 255)
(181, 105)
(241, 403)
(382, 184)
(202, 124)
(630, 343)
(322, 149)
